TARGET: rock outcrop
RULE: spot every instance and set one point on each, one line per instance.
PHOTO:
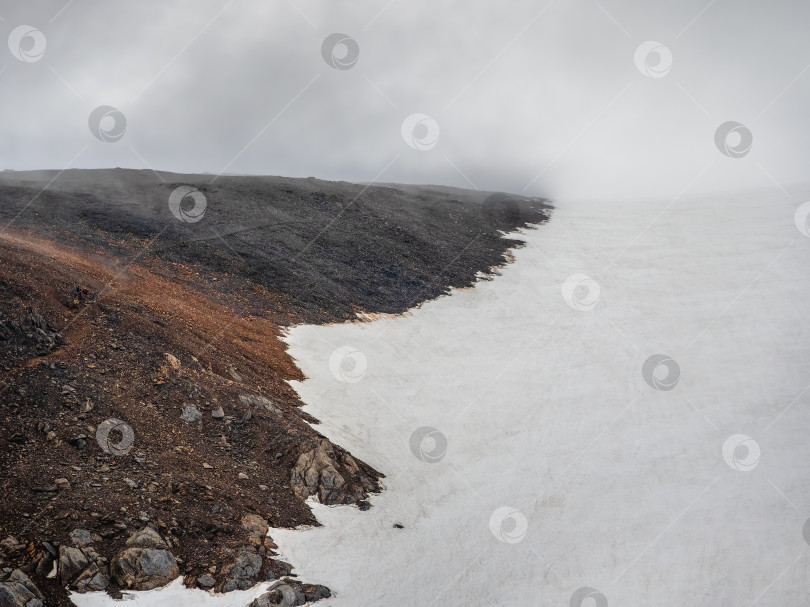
(33, 332)
(145, 563)
(291, 593)
(17, 590)
(317, 473)
(243, 572)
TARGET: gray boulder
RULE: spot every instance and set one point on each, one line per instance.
(72, 562)
(17, 590)
(93, 578)
(144, 568)
(147, 537)
(192, 414)
(82, 538)
(291, 593)
(244, 572)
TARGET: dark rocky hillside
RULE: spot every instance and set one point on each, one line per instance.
(147, 427)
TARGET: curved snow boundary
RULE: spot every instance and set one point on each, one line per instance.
(565, 468)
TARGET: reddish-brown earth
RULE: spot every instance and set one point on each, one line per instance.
(112, 360)
(184, 320)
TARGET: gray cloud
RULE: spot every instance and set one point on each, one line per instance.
(524, 93)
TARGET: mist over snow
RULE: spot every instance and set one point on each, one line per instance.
(546, 98)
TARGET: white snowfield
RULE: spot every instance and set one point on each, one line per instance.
(564, 469)
(531, 455)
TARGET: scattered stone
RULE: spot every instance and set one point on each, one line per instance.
(206, 582)
(83, 538)
(47, 566)
(207, 466)
(257, 528)
(80, 441)
(10, 544)
(398, 526)
(48, 489)
(173, 361)
(147, 537)
(218, 413)
(243, 476)
(259, 402)
(192, 414)
(62, 484)
(50, 549)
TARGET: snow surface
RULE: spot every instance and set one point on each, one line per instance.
(620, 487)
(563, 468)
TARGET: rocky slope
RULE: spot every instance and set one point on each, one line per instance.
(148, 430)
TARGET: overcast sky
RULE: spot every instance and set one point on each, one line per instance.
(559, 98)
